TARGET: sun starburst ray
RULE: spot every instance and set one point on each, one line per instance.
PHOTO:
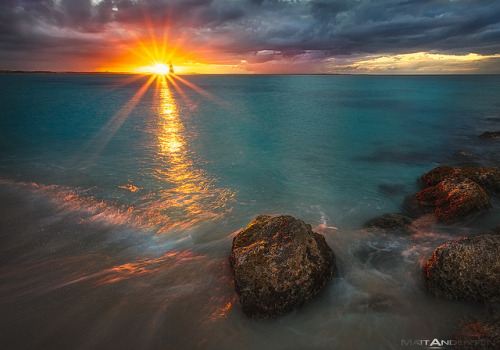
(104, 135)
(179, 90)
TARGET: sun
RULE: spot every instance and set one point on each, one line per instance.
(160, 69)
(157, 69)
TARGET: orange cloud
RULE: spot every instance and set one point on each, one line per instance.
(419, 63)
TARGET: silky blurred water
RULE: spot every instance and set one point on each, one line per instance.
(120, 195)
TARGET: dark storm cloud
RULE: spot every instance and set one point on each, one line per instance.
(336, 27)
(326, 10)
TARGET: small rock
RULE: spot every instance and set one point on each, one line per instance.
(279, 263)
(466, 269)
(390, 222)
(453, 199)
(490, 135)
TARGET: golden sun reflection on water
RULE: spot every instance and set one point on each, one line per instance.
(191, 193)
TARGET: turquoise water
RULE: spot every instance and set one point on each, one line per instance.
(120, 199)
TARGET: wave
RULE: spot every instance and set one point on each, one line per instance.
(150, 216)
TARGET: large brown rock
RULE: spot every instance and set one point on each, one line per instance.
(487, 177)
(466, 269)
(279, 263)
(452, 199)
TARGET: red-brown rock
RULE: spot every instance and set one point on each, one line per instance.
(453, 199)
(486, 177)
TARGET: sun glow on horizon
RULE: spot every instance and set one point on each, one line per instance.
(158, 69)
(150, 51)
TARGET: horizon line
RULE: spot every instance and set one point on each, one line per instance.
(17, 71)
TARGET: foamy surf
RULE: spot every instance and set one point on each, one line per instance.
(151, 217)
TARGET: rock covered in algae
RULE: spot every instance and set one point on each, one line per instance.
(436, 175)
(279, 263)
(466, 269)
(486, 177)
(452, 199)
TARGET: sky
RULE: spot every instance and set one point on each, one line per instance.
(252, 36)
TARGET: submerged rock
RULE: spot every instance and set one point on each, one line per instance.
(466, 269)
(452, 199)
(487, 177)
(464, 155)
(390, 222)
(377, 303)
(490, 135)
(480, 334)
(279, 263)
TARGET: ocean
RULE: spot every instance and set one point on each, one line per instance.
(120, 196)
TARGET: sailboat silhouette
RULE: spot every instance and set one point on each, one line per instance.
(170, 68)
